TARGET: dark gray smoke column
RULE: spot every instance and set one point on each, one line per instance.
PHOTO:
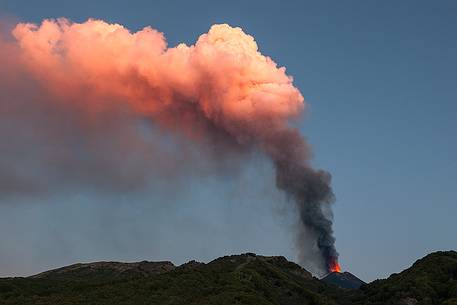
(309, 189)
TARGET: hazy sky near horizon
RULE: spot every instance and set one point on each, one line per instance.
(381, 81)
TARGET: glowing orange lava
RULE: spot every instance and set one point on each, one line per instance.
(335, 267)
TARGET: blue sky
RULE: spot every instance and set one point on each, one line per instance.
(381, 81)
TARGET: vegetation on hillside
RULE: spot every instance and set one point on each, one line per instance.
(240, 279)
(431, 280)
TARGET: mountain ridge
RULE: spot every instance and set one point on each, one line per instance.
(345, 280)
(81, 270)
(235, 279)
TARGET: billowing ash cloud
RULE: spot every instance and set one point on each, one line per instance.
(75, 92)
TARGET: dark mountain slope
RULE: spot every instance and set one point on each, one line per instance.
(344, 280)
(429, 281)
(106, 270)
(239, 279)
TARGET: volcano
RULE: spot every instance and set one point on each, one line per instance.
(343, 280)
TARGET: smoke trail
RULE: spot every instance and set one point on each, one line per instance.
(310, 190)
(221, 92)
